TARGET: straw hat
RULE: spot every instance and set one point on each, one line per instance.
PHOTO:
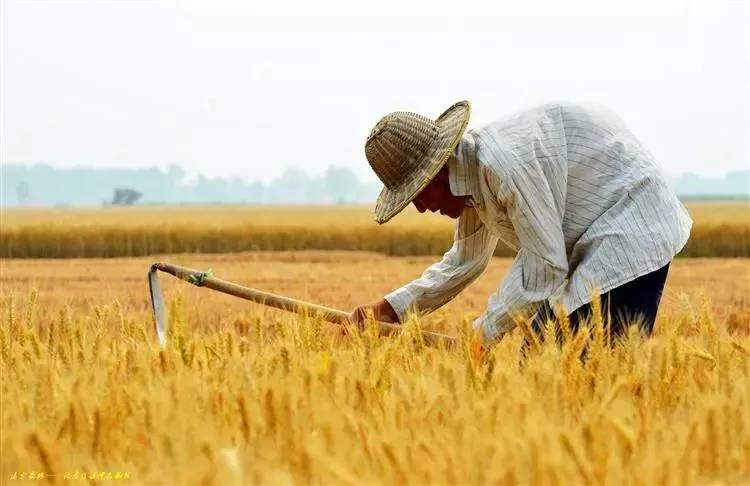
(406, 150)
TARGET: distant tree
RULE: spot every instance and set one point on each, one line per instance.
(292, 186)
(22, 189)
(125, 197)
(176, 173)
(256, 192)
(341, 184)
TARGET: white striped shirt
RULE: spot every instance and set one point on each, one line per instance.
(573, 192)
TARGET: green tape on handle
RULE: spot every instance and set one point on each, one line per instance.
(199, 278)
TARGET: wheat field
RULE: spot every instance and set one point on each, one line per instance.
(721, 229)
(247, 395)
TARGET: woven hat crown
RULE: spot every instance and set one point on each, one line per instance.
(398, 144)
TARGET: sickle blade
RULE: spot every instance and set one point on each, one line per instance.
(157, 306)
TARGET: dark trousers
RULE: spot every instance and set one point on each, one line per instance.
(634, 302)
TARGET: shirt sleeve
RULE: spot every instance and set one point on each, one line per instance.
(472, 249)
(541, 265)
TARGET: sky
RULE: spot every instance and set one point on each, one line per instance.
(249, 89)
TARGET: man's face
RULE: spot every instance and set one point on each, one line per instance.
(437, 197)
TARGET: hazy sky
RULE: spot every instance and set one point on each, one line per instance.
(249, 88)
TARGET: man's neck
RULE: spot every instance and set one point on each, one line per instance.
(462, 171)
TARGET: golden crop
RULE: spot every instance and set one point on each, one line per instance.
(721, 229)
(244, 395)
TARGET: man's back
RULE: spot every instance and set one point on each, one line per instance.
(619, 218)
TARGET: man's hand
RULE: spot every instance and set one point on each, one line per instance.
(381, 311)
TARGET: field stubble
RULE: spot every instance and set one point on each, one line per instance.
(248, 395)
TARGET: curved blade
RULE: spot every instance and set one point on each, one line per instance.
(157, 306)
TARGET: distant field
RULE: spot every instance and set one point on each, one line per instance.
(721, 229)
(212, 215)
(703, 213)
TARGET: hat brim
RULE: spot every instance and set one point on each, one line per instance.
(451, 126)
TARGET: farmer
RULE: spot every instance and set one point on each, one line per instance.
(567, 186)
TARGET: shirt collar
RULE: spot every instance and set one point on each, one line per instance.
(463, 170)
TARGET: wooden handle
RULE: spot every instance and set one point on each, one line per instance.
(285, 303)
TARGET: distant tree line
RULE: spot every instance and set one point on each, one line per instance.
(42, 184)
